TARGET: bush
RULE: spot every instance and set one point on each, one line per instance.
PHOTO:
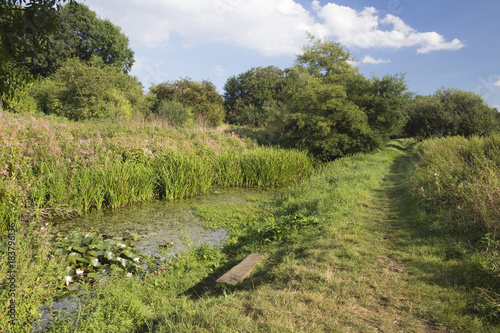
(174, 112)
(201, 97)
(78, 91)
(450, 112)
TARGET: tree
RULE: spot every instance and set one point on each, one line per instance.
(25, 28)
(450, 112)
(81, 91)
(81, 34)
(322, 120)
(383, 100)
(321, 117)
(201, 97)
(246, 95)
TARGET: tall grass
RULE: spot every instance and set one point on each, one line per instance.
(459, 178)
(49, 163)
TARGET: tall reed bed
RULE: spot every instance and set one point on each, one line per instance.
(47, 164)
(460, 179)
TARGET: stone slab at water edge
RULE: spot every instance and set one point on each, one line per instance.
(241, 271)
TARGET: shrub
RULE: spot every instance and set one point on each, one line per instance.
(201, 97)
(450, 112)
(79, 92)
(174, 112)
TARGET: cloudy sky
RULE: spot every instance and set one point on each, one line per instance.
(444, 43)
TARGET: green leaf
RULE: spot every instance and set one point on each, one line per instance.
(94, 276)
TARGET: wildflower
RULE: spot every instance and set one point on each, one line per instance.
(129, 275)
(121, 245)
(68, 279)
(79, 272)
(136, 259)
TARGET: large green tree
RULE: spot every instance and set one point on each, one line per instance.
(83, 35)
(247, 96)
(321, 117)
(200, 96)
(384, 101)
(25, 28)
(450, 112)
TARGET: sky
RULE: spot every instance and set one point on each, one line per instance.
(435, 43)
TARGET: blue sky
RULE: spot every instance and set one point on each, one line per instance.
(443, 43)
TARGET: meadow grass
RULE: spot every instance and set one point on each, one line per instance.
(349, 249)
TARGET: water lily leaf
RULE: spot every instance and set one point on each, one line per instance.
(59, 252)
(109, 255)
(74, 287)
(102, 246)
(94, 262)
(73, 256)
(79, 249)
(85, 260)
(96, 253)
(129, 254)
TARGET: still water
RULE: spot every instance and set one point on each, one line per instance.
(156, 224)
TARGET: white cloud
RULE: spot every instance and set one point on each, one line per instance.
(219, 71)
(272, 27)
(370, 60)
(365, 29)
(497, 84)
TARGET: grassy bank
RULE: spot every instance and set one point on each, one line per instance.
(56, 166)
(347, 250)
(52, 167)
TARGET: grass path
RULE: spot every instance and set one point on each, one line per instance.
(372, 266)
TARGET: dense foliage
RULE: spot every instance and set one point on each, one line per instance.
(247, 96)
(201, 98)
(322, 103)
(450, 112)
(25, 28)
(81, 34)
(80, 91)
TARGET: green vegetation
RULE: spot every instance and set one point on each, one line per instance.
(201, 98)
(376, 238)
(68, 166)
(450, 112)
(347, 249)
(25, 28)
(460, 178)
(81, 34)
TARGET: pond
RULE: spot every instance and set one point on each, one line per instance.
(156, 224)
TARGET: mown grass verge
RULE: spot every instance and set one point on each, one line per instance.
(347, 250)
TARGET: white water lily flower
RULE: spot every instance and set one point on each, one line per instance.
(68, 279)
(136, 259)
(129, 275)
(79, 272)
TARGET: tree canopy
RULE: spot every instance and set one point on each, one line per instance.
(200, 96)
(25, 28)
(450, 112)
(83, 35)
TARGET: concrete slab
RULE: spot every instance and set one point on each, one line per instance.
(241, 271)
